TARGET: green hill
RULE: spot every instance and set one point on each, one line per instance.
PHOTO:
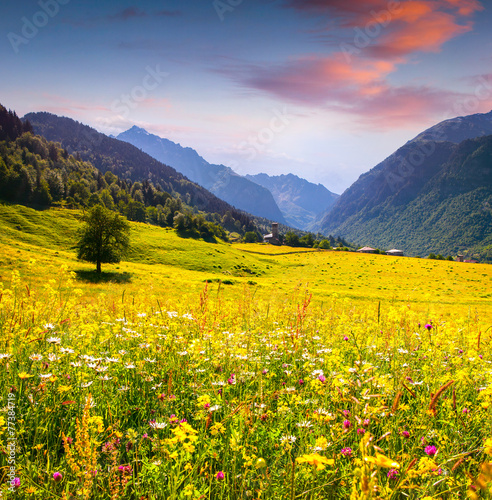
(428, 197)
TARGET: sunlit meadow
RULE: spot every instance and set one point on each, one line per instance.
(217, 371)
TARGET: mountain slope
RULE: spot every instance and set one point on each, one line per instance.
(459, 129)
(219, 179)
(429, 196)
(121, 158)
(299, 200)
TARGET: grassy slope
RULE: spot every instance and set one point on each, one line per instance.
(159, 258)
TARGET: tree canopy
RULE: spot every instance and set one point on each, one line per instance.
(104, 237)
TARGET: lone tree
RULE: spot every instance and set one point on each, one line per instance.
(104, 238)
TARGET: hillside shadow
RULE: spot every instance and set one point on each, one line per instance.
(104, 277)
(184, 233)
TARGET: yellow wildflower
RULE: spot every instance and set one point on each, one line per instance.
(322, 443)
(188, 447)
(382, 461)
(488, 447)
(315, 459)
(216, 429)
(97, 422)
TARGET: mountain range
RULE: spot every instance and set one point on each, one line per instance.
(218, 179)
(434, 194)
(287, 199)
(121, 158)
(300, 201)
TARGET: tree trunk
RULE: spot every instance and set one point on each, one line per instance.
(98, 266)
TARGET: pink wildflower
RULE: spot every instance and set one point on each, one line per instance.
(430, 450)
(392, 474)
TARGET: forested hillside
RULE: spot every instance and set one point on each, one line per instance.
(40, 173)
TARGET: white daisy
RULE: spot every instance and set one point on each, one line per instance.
(288, 439)
(158, 425)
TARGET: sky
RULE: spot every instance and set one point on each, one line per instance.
(324, 89)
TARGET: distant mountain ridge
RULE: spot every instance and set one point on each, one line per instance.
(123, 159)
(299, 200)
(432, 195)
(218, 179)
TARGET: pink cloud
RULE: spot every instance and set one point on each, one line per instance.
(356, 82)
(154, 103)
(397, 28)
(403, 107)
(62, 104)
(416, 27)
(318, 80)
(354, 8)
(359, 88)
(465, 7)
(426, 35)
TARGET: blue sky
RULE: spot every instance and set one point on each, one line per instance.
(325, 89)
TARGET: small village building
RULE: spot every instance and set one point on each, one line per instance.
(366, 250)
(272, 238)
(460, 258)
(395, 253)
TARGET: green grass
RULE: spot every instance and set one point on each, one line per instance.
(159, 257)
(282, 354)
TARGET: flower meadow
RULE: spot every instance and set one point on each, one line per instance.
(234, 396)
